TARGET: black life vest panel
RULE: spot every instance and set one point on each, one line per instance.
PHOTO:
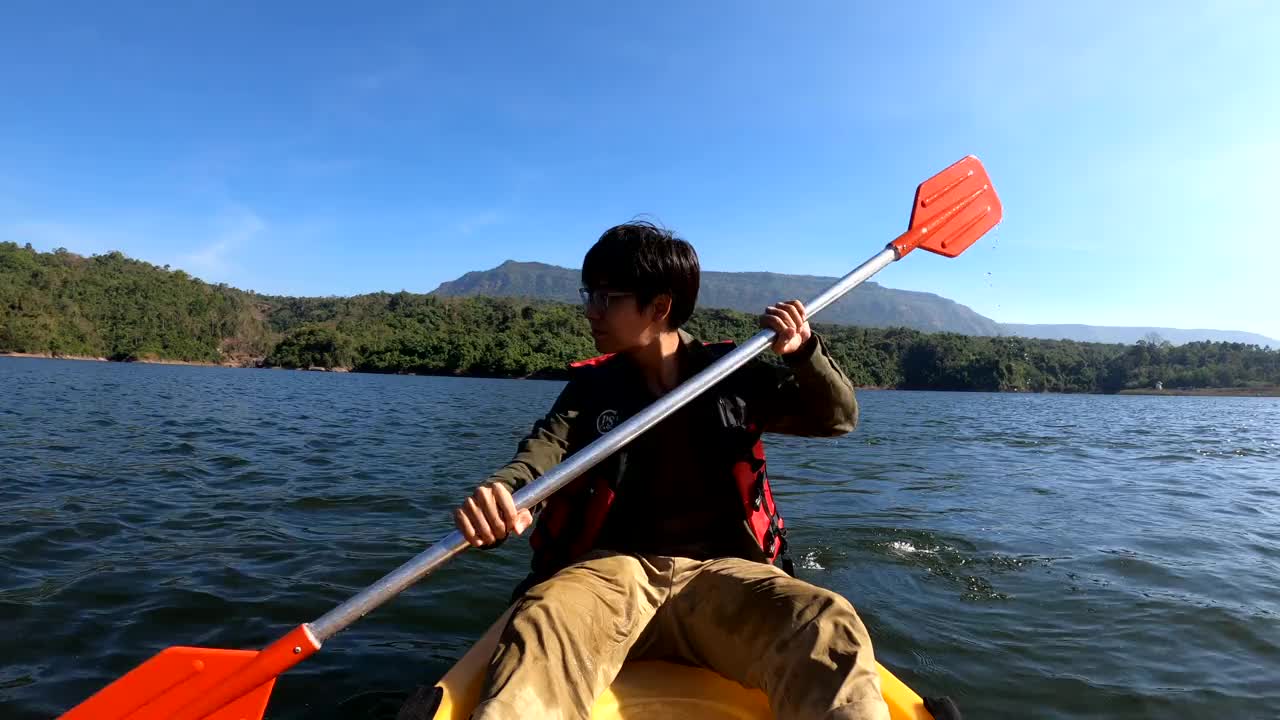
(571, 521)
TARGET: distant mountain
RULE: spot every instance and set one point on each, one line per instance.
(870, 305)
(1130, 335)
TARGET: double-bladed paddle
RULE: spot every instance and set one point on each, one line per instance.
(952, 210)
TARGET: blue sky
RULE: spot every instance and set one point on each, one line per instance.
(307, 149)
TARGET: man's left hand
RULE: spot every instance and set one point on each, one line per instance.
(788, 320)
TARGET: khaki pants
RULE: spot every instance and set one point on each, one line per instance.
(568, 637)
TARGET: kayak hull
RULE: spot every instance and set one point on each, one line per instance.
(643, 689)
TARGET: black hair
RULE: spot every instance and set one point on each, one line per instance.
(648, 260)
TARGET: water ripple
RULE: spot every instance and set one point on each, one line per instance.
(1086, 556)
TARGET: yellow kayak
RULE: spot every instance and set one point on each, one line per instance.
(644, 689)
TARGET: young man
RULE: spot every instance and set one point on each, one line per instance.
(665, 550)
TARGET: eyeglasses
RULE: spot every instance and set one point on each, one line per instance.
(598, 299)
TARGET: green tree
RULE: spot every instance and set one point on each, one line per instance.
(313, 346)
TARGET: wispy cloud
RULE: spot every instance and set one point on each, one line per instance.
(236, 230)
(322, 167)
(471, 223)
(402, 66)
(366, 94)
(210, 252)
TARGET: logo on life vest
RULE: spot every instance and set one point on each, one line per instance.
(606, 421)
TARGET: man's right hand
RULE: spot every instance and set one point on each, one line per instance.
(489, 515)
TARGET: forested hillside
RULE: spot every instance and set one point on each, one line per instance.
(111, 306)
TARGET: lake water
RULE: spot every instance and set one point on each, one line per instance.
(1029, 555)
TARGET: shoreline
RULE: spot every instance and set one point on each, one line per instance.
(1267, 391)
(144, 361)
(51, 356)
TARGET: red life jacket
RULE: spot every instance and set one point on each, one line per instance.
(572, 519)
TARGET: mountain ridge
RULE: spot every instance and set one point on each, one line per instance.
(870, 305)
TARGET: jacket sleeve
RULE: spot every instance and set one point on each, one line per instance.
(544, 446)
(809, 396)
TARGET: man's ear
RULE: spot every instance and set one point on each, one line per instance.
(660, 308)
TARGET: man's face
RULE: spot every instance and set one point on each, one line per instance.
(619, 324)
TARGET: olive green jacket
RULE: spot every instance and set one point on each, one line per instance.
(808, 395)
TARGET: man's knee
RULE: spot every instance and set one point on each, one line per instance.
(825, 603)
(818, 619)
(558, 601)
(836, 612)
(596, 604)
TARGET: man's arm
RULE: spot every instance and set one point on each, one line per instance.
(543, 448)
(810, 396)
(489, 515)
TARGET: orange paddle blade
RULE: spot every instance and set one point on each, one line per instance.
(953, 209)
(191, 683)
(173, 678)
